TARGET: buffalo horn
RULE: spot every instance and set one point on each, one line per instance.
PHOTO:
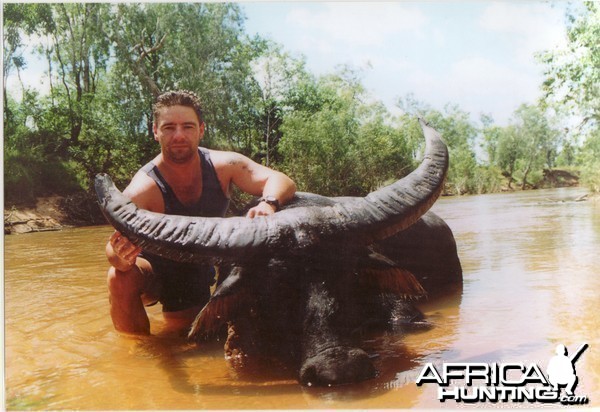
(378, 215)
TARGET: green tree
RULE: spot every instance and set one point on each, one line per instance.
(491, 136)
(317, 146)
(278, 75)
(386, 147)
(195, 46)
(20, 20)
(508, 152)
(211, 55)
(459, 135)
(573, 72)
(589, 158)
(79, 51)
(567, 156)
(537, 140)
(335, 142)
(572, 82)
(105, 64)
(38, 131)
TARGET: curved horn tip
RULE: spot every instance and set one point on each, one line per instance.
(102, 177)
(102, 183)
(429, 132)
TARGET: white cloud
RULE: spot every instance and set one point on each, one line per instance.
(438, 37)
(475, 54)
(389, 62)
(355, 33)
(307, 41)
(478, 85)
(482, 77)
(357, 23)
(534, 26)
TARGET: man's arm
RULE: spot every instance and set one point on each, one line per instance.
(258, 180)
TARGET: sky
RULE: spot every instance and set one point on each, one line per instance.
(476, 54)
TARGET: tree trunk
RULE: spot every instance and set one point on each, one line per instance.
(526, 173)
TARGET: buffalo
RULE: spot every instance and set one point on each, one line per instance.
(305, 284)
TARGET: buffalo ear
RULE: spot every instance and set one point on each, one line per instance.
(216, 313)
(383, 273)
(230, 296)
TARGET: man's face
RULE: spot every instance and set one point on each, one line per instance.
(179, 132)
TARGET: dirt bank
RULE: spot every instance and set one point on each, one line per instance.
(46, 215)
(52, 213)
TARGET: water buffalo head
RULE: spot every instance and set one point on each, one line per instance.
(301, 283)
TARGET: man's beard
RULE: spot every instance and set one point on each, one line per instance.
(180, 154)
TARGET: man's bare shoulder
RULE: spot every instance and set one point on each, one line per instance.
(222, 158)
(144, 192)
(228, 165)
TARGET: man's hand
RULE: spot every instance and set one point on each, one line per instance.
(124, 253)
(262, 209)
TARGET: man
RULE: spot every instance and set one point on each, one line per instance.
(561, 369)
(183, 180)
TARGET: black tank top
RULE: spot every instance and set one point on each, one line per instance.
(187, 284)
(212, 202)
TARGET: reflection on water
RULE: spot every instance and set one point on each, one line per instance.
(530, 269)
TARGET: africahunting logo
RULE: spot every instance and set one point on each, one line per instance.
(508, 382)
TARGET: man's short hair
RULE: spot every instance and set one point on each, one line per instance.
(178, 98)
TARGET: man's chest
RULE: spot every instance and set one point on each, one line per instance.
(188, 193)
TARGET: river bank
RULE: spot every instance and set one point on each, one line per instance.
(52, 213)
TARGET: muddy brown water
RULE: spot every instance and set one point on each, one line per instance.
(531, 281)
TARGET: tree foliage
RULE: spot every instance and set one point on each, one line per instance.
(336, 144)
(106, 62)
(572, 85)
(573, 72)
